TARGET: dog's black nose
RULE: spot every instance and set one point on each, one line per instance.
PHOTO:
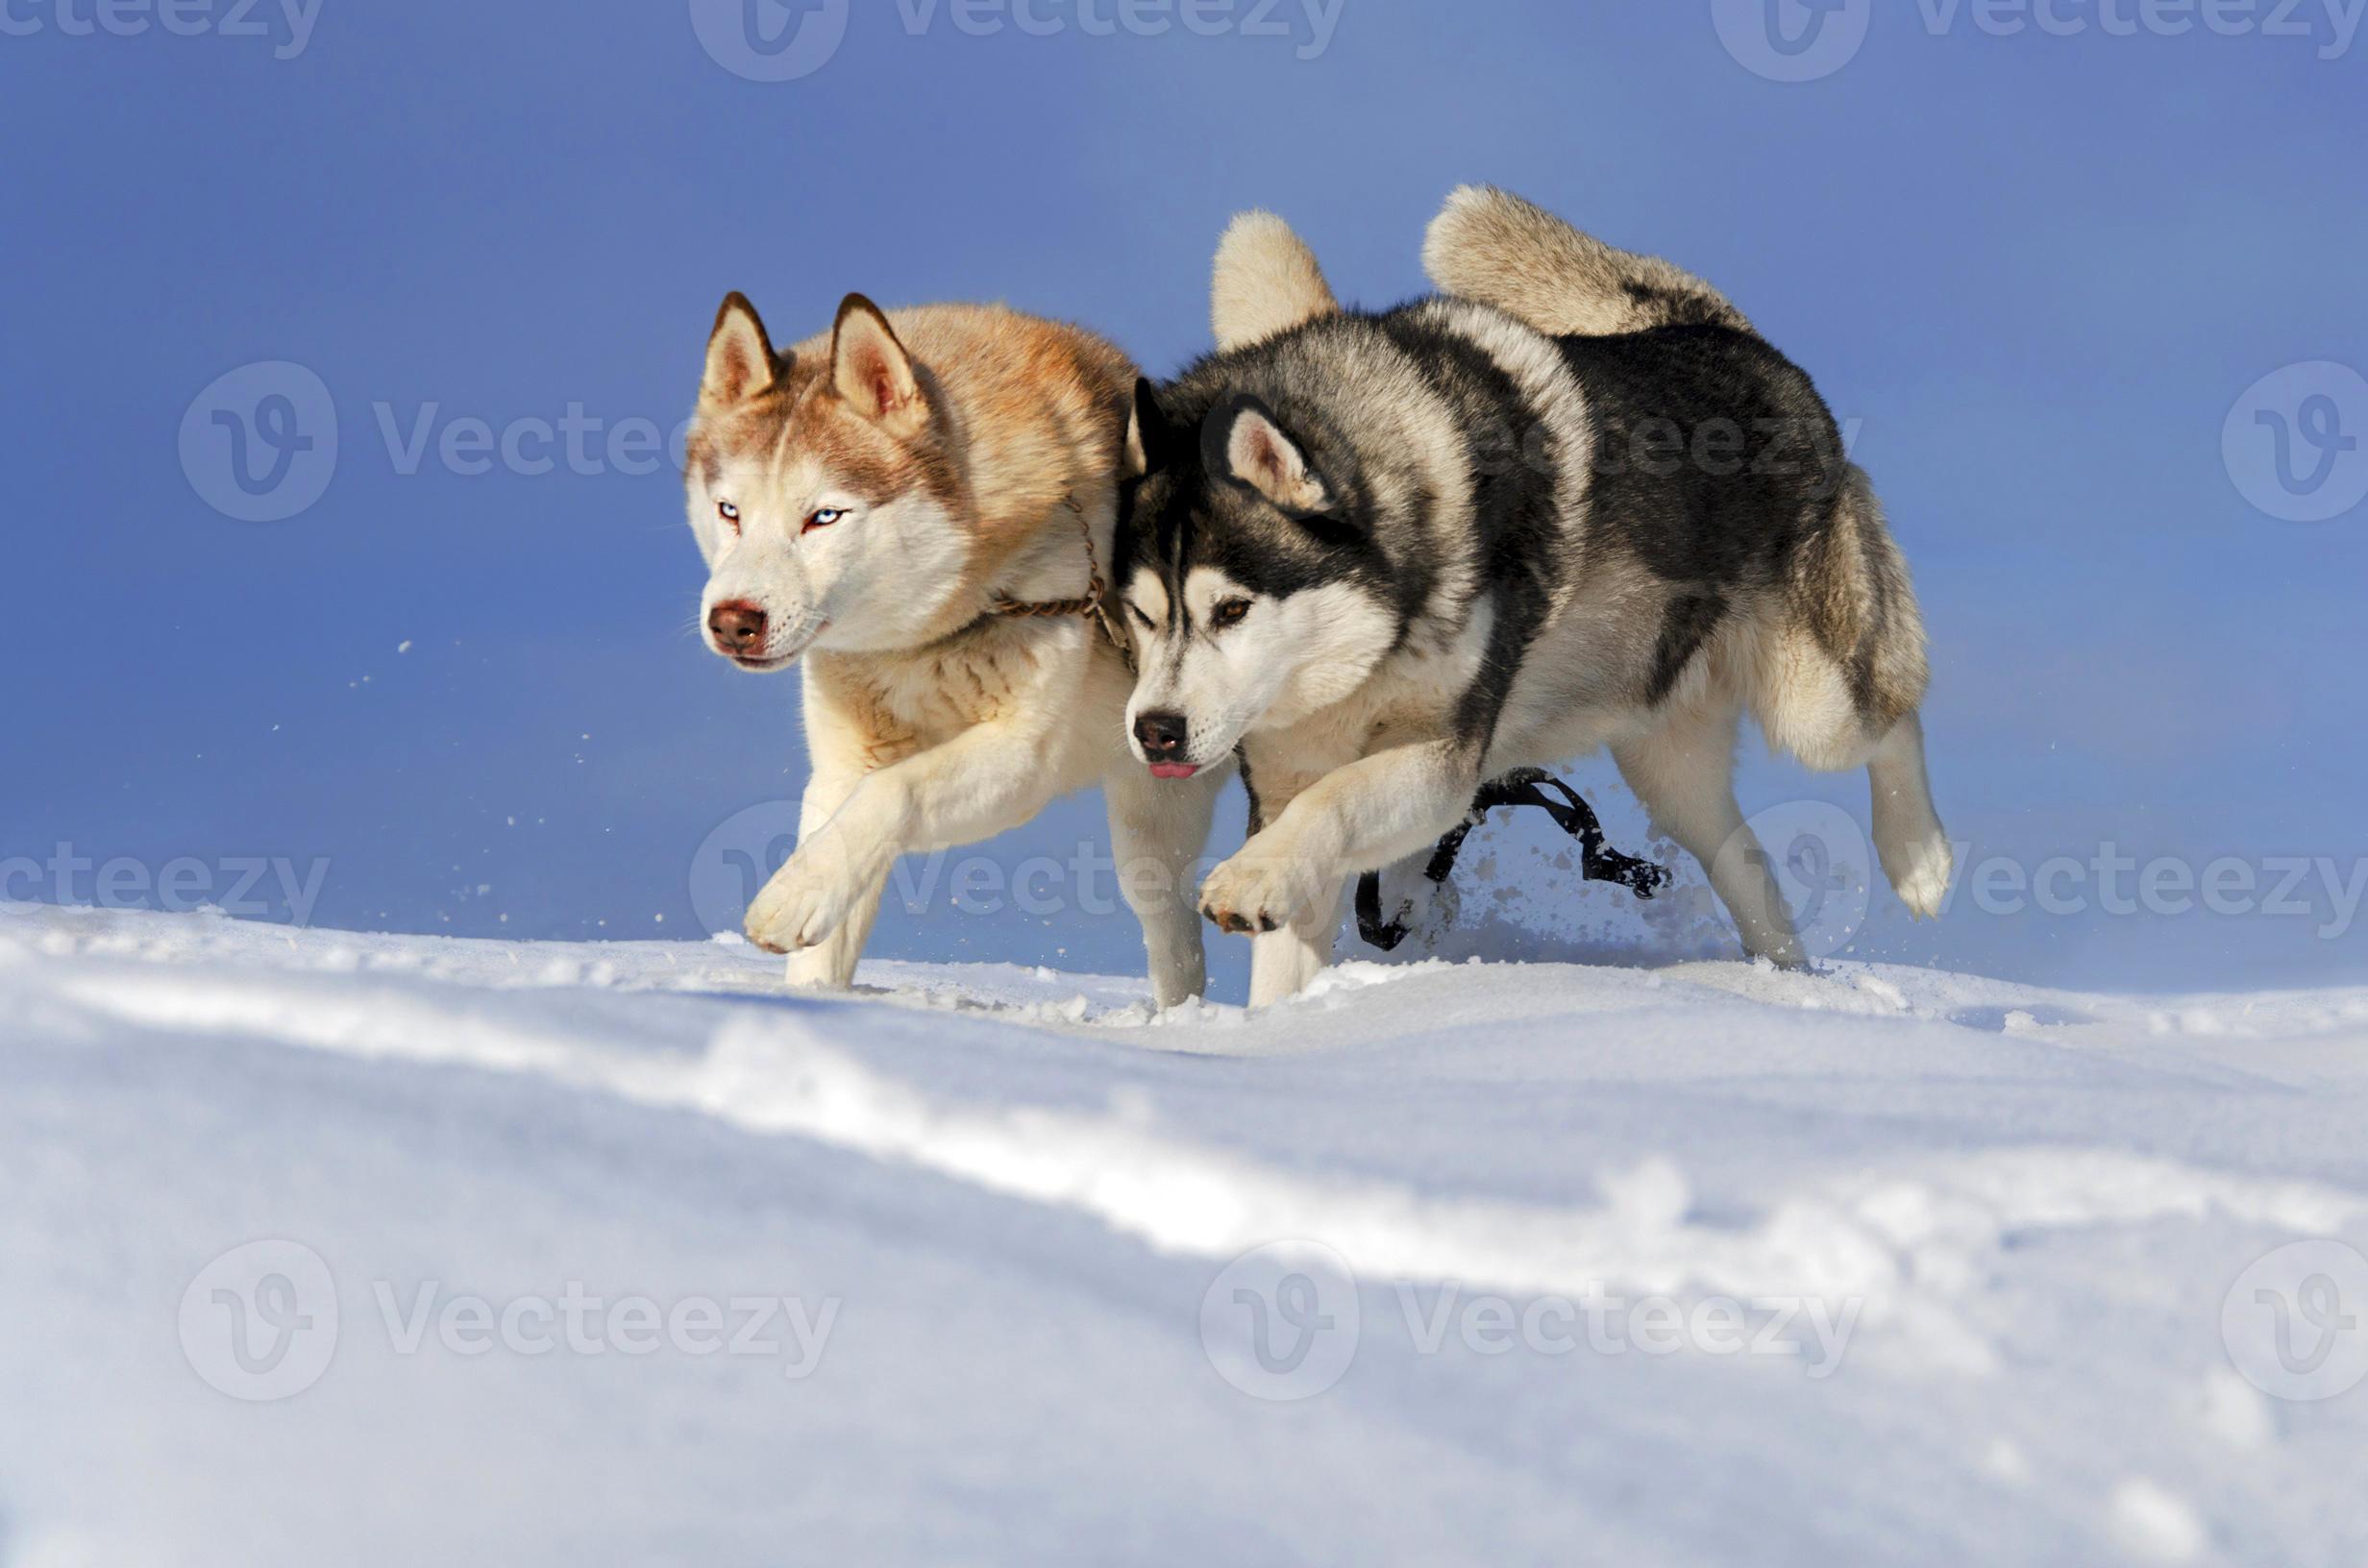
(1162, 734)
(739, 627)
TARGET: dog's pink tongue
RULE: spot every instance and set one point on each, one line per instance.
(1173, 769)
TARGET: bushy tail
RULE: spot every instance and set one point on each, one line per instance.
(1491, 246)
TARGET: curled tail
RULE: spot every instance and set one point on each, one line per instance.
(1491, 246)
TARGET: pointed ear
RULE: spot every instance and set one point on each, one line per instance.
(1150, 437)
(1267, 282)
(872, 372)
(740, 363)
(1244, 442)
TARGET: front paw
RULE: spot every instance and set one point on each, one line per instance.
(1262, 890)
(806, 901)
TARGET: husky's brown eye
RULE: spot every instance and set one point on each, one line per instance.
(1230, 613)
(825, 518)
(729, 513)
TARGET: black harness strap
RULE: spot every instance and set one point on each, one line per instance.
(1525, 786)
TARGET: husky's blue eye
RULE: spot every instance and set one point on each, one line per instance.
(729, 513)
(824, 518)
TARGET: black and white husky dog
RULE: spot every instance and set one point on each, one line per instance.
(1578, 501)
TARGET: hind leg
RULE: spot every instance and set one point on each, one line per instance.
(1808, 709)
(1907, 834)
(1684, 773)
(1811, 709)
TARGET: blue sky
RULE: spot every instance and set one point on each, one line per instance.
(2038, 270)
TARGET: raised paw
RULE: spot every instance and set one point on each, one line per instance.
(806, 901)
(1257, 891)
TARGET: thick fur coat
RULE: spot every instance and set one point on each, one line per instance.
(871, 503)
(1575, 501)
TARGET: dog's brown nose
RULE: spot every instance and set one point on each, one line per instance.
(739, 627)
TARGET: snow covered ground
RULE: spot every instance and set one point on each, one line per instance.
(358, 1249)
